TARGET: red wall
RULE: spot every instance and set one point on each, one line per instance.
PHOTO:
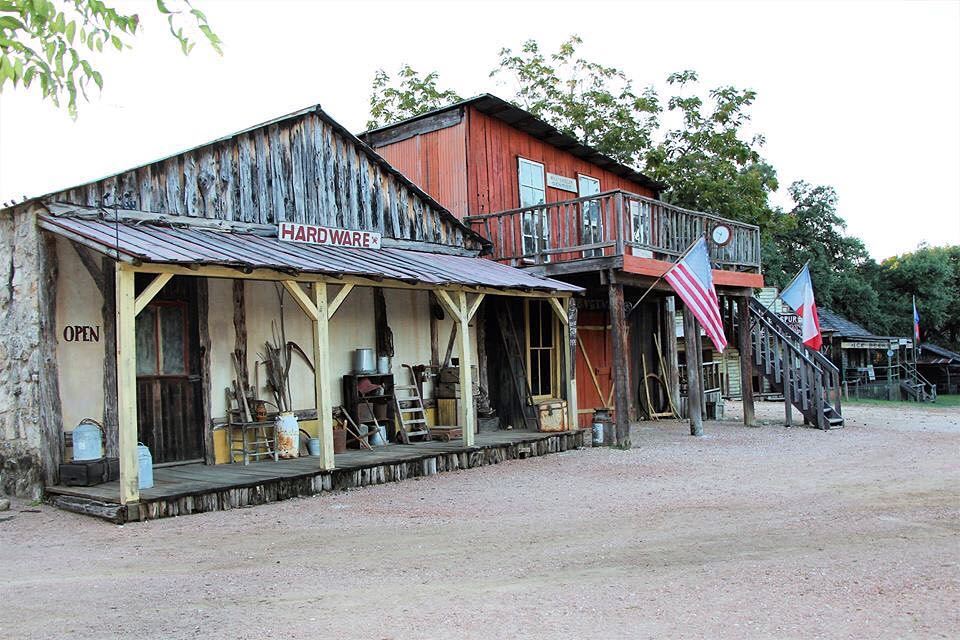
(493, 147)
(436, 162)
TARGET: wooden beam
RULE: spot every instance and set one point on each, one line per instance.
(127, 384)
(449, 305)
(150, 292)
(203, 322)
(50, 414)
(472, 311)
(216, 271)
(694, 372)
(301, 298)
(323, 379)
(570, 363)
(621, 371)
(468, 417)
(746, 361)
(338, 299)
(559, 310)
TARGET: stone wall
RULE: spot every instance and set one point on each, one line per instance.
(21, 471)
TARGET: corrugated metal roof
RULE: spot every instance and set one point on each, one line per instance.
(831, 322)
(935, 354)
(525, 121)
(187, 244)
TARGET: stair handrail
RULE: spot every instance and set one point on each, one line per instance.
(793, 336)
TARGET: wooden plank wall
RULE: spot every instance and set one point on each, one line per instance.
(492, 150)
(299, 169)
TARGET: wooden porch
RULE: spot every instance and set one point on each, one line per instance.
(197, 488)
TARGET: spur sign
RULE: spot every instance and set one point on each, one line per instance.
(328, 236)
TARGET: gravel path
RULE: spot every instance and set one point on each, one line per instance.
(744, 533)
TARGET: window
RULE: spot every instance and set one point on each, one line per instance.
(640, 221)
(541, 361)
(592, 224)
(161, 340)
(533, 191)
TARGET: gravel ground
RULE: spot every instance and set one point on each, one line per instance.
(743, 533)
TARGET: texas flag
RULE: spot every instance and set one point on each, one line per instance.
(916, 322)
(799, 296)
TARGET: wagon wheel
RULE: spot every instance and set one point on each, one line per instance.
(641, 395)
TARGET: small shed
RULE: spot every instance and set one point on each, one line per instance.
(940, 366)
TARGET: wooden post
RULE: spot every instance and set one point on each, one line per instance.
(323, 380)
(669, 345)
(468, 416)
(621, 373)
(694, 371)
(787, 386)
(746, 360)
(570, 361)
(127, 385)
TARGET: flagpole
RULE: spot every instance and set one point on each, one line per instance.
(657, 281)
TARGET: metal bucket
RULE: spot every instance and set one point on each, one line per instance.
(379, 437)
(145, 464)
(87, 441)
(383, 365)
(363, 361)
(313, 445)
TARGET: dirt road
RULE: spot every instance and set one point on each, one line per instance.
(744, 533)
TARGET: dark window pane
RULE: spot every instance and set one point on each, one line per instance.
(172, 340)
(545, 376)
(147, 342)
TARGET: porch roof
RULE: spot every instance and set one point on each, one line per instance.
(174, 241)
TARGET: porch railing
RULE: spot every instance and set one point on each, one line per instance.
(610, 224)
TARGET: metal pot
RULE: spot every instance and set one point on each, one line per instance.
(363, 361)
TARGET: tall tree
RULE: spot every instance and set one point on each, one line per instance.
(404, 96)
(932, 274)
(50, 43)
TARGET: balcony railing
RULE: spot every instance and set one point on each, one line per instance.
(612, 223)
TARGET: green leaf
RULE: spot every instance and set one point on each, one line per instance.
(117, 42)
(9, 22)
(71, 31)
(162, 8)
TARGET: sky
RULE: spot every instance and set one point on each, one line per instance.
(863, 96)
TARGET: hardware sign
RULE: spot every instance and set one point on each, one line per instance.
(329, 236)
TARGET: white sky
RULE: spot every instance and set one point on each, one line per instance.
(862, 96)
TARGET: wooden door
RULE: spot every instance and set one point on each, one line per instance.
(169, 392)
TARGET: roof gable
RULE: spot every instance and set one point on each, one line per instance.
(302, 167)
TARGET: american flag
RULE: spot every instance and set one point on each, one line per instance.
(692, 279)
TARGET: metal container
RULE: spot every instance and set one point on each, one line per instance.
(601, 421)
(363, 361)
(313, 446)
(379, 438)
(383, 365)
(288, 435)
(145, 463)
(87, 441)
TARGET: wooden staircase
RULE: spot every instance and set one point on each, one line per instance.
(806, 378)
(915, 386)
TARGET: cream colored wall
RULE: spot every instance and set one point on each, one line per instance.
(80, 364)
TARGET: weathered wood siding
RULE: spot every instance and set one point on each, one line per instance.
(493, 147)
(303, 168)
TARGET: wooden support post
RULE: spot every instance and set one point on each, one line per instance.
(570, 362)
(672, 375)
(746, 360)
(323, 380)
(621, 371)
(127, 385)
(694, 372)
(787, 387)
(467, 416)
(150, 292)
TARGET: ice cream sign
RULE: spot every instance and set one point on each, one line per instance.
(328, 236)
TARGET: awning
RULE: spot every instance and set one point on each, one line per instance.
(144, 242)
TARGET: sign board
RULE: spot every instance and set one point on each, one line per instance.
(863, 344)
(328, 236)
(561, 182)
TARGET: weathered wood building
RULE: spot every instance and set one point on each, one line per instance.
(556, 207)
(137, 299)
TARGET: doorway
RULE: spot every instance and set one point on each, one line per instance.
(169, 385)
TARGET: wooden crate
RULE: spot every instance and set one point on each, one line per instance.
(553, 415)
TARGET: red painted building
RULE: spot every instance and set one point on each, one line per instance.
(561, 208)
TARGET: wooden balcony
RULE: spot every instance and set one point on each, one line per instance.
(583, 234)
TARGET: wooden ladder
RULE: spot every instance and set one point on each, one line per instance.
(410, 411)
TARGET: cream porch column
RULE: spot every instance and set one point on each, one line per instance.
(320, 312)
(128, 306)
(457, 306)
